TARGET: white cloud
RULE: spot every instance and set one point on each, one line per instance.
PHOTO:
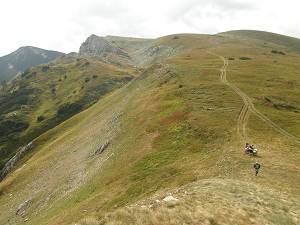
(63, 24)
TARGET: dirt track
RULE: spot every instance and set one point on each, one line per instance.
(244, 112)
(248, 107)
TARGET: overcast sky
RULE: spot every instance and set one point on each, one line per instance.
(64, 24)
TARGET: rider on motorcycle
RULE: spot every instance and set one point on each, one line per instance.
(250, 149)
(247, 145)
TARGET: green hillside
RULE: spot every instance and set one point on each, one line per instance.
(48, 94)
(289, 43)
(178, 128)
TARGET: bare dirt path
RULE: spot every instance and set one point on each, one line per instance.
(248, 107)
(244, 112)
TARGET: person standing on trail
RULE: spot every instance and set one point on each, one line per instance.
(256, 167)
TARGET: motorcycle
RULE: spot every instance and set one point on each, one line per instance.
(251, 151)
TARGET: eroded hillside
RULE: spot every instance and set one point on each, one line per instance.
(45, 96)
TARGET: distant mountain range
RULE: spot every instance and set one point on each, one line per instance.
(116, 50)
(24, 58)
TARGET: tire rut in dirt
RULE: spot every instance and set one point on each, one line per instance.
(248, 107)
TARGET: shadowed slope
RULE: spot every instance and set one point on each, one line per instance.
(46, 95)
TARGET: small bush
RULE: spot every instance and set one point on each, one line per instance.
(277, 52)
(95, 76)
(45, 68)
(40, 118)
(230, 58)
(245, 58)
(87, 79)
(12, 126)
(68, 110)
(175, 37)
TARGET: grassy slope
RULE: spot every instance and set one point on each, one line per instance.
(289, 43)
(46, 89)
(174, 124)
(212, 201)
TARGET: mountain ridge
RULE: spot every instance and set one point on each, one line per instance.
(176, 129)
(24, 58)
(290, 43)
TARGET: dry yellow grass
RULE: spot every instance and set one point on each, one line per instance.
(211, 202)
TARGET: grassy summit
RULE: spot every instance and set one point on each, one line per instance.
(177, 127)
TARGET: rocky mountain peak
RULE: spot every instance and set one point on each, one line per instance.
(99, 46)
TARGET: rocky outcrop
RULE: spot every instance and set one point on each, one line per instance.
(12, 162)
(21, 210)
(99, 46)
(102, 147)
(170, 198)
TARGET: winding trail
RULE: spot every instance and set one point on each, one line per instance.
(248, 107)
